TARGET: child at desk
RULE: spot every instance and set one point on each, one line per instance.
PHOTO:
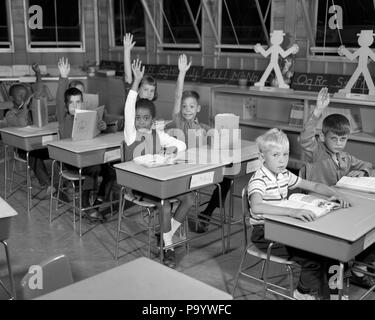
(328, 162)
(186, 108)
(148, 85)
(272, 182)
(19, 116)
(67, 101)
(138, 121)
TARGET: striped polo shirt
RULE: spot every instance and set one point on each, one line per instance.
(272, 187)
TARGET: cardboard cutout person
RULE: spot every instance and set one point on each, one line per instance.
(365, 40)
(277, 38)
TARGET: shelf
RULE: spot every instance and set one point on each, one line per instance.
(261, 123)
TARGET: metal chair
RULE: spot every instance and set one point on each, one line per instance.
(55, 273)
(252, 250)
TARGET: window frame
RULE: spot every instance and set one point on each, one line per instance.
(82, 43)
(8, 4)
(111, 31)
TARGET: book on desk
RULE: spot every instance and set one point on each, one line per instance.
(365, 184)
(85, 125)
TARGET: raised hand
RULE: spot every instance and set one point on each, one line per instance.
(128, 42)
(138, 69)
(322, 101)
(64, 67)
(183, 65)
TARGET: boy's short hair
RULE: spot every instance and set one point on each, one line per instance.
(152, 82)
(75, 83)
(272, 138)
(15, 87)
(146, 104)
(337, 124)
(190, 94)
(72, 92)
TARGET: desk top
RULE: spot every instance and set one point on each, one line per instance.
(348, 224)
(6, 210)
(31, 131)
(140, 279)
(103, 141)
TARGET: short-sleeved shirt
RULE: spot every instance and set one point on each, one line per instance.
(271, 187)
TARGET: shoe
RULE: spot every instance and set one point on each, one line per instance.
(365, 281)
(198, 226)
(93, 215)
(170, 259)
(46, 192)
(50, 190)
(336, 297)
(302, 296)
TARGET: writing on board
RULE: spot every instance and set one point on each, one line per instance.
(310, 81)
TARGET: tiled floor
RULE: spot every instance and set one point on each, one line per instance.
(33, 239)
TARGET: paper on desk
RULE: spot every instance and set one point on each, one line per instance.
(112, 155)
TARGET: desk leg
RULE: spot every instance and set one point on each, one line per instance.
(57, 192)
(28, 179)
(161, 219)
(230, 215)
(222, 219)
(80, 201)
(5, 170)
(120, 213)
(265, 278)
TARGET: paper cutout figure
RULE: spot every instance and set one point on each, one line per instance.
(365, 40)
(277, 38)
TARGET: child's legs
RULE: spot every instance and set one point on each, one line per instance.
(37, 164)
(215, 201)
(186, 202)
(91, 175)
(165, 210)
(109, 178)
(367, 256)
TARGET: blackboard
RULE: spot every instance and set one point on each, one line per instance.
(216, 75)
(310, 81)
(252, 76)
(339, 82)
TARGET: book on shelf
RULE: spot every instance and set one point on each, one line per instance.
(365, 184)
(296, 115)
(318, 206)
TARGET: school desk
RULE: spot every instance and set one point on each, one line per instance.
(340, 235)
(140, 279)
(81, 154)
(28, 138)
(168, 182)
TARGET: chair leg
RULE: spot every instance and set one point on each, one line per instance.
(239, 271)
(291, 280)
(262, 270)
(267, 269)
(12, 176)
(149, 232)
(121, 210)
(13, 290)
(74, 204)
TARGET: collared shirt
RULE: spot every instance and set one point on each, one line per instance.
(271, 187)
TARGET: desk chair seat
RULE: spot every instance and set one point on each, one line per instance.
(252, 250)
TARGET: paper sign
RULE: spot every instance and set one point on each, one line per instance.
(252, 166)
(369, 239)
(112, 155)
(202, 179)
(46, 139)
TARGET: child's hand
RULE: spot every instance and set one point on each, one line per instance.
(183, 66)
(322, 101)
(35, 68)
(356, 173)
(64, 67)
(128, 42)
(102, 125)
(344, 203)
(138, 69)
(302, 214)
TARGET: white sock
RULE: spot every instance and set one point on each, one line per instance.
(174, 225)
(359, 274)
(167, 237)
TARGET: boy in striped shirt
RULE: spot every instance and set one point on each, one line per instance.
(271, 183)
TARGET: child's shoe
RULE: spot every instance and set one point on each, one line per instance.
(302, 296)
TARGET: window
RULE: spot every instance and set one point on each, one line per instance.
(244, 23)
(6, 31)
(182, 20)
(58, 28)
(354, 15)
(127, 17)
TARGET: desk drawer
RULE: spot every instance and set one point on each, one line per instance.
(28, 143)
(162, 189)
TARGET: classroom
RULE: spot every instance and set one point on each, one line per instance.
(187, 150)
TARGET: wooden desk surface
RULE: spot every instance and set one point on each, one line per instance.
(31, 131)
(103, 141)
(140, 279)
(348, 224)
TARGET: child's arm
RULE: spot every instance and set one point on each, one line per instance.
(128, 46)
(307, 137)
(324, 190)
(359, 168)
(183, 67)
(169, 142)
(38, 85)
(64, 68)
(258, 206)
(130, 132)
(17, 117)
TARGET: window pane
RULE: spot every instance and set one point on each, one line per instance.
(129, 17)
(357, 16)
(181, 29)
(61, 23)
(4, 35)
(246, 21)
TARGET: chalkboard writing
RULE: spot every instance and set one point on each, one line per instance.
(216, 75)
(310, 81)
(338, 82)
(251, 76)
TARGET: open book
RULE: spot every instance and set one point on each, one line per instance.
(319, 206)
(159, 160)
(84, 125)
(366, 184)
